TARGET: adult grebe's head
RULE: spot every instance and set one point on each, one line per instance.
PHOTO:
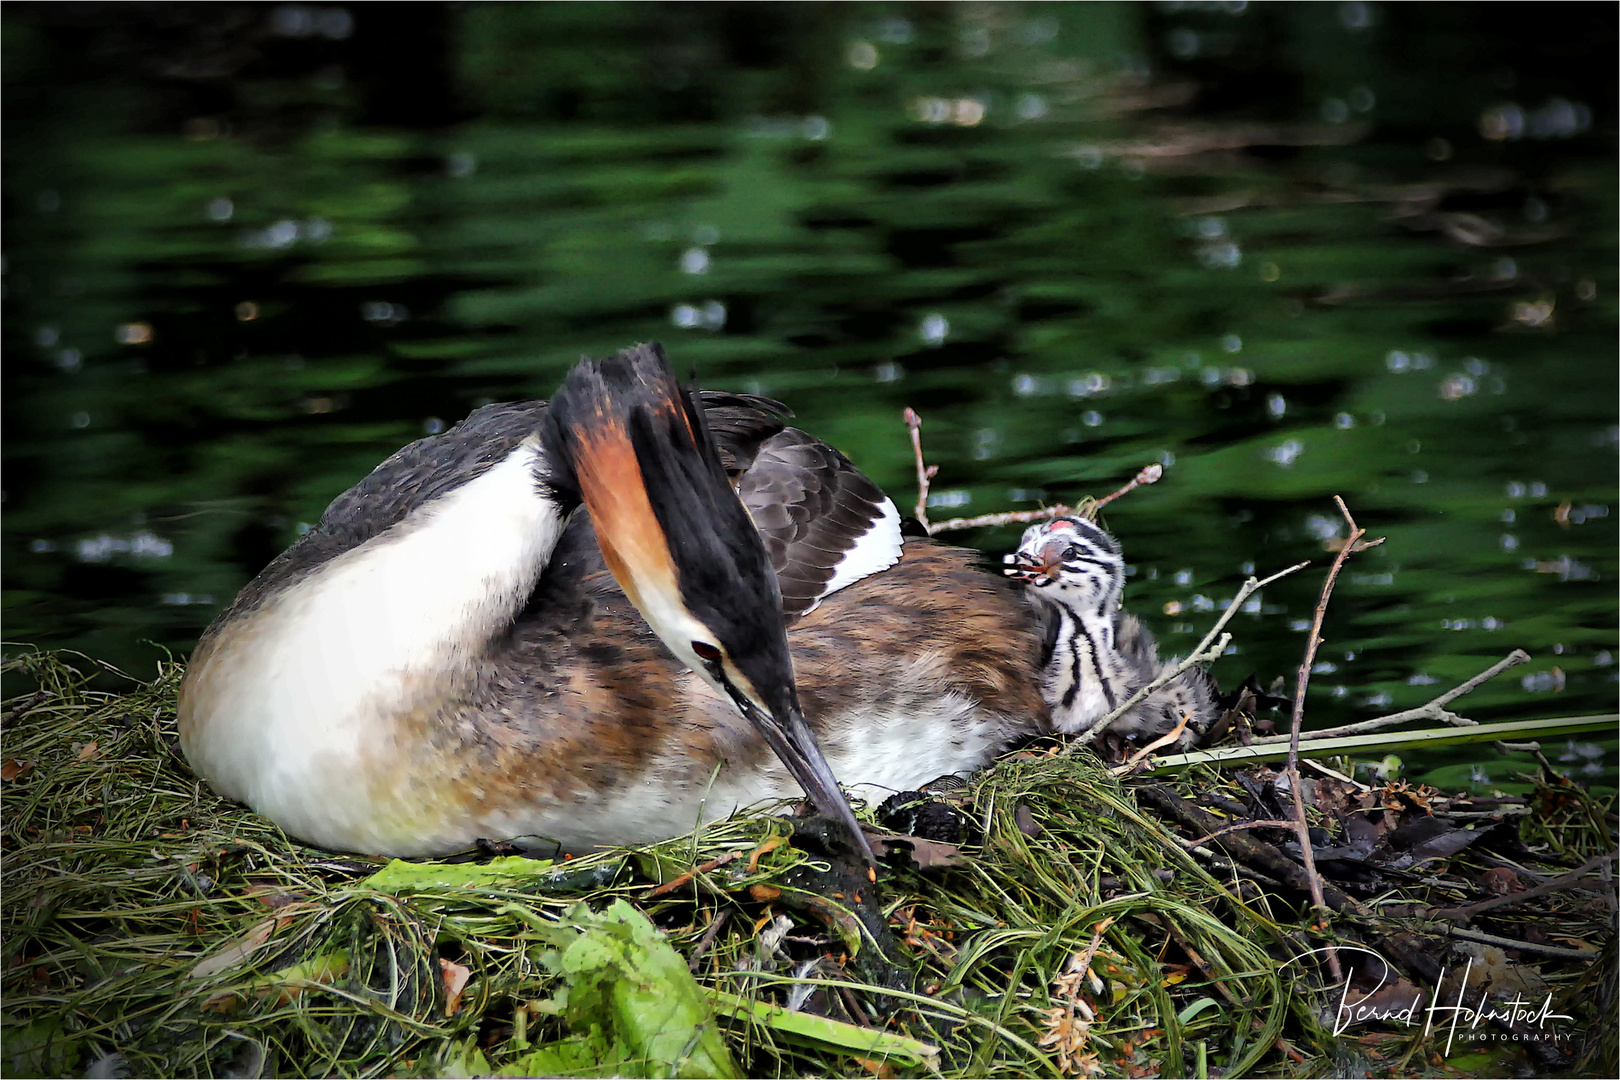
(634, 446)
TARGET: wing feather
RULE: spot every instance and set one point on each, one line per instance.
(825, 524)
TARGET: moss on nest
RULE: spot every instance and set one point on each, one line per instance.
(154, 929)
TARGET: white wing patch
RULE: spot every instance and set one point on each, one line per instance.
(875, 550)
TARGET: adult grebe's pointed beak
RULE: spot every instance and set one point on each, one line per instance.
(791, 739)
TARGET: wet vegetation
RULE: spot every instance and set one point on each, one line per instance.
(1055, 924)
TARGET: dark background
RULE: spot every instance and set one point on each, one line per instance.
(1294, 250)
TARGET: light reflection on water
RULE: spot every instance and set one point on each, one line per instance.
(225, 308)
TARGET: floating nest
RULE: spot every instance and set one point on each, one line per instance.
(1055, 925)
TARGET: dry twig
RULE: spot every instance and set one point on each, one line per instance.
(1522, 946)
(1150, 474)
(1302, 827)
(1087, 508)
(706, 942)
(1433, 710)
(1238, 826)
(676, 882)
(1253, 853)
(925, 473)
(1010, 517)
(1574, 877)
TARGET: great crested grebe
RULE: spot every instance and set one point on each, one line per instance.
(454, 654)
(1099, 654)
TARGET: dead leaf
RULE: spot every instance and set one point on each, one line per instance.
(1489, 970)
(926, 854)
(1364, 834)
(1501, 881)
(1444, 845)
(1335, 798)
(1024, 819)
(1391, 998)
(274, 897)
(89, 751)
(226, 1001)
(455, 981)
(14, 768)
(1422, 839)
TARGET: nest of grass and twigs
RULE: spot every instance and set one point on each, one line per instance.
(152, 929)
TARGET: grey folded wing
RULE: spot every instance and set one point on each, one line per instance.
(825, 524)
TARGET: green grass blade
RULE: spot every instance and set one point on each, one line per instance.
(821, 1031)
(1377, 743)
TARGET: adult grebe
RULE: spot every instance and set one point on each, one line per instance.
(445, 657)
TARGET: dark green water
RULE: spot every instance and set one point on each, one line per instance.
(1292, 251)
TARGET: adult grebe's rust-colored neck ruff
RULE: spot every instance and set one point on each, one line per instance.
(615, 494)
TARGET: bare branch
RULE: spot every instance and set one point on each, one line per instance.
(707, 940)
(1522, 946)
(925, 473)
(1239, 845)
(1574, 877)
(1086, 508)
(1150, 474)
(1011, 517)
(1352, 544)
(676, 882)
(1434, 710)
(1239, 826)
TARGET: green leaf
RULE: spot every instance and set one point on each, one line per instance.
(590, 953)
(464, 1060)
(39, 1049)
(400, 876)
(823, 1032)
(565, 1057)
(1202, 1005)
(631, 1000)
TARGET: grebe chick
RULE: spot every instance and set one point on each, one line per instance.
(1100, 654)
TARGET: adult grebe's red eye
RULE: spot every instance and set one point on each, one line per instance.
(706, 652)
